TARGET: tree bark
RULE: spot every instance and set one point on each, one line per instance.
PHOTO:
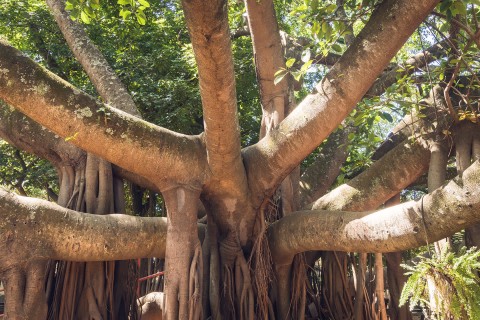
(408, 225)
(321, 112)
(92, 126)
(110, 88)
(183, 269)
(36, 229)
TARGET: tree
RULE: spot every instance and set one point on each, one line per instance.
(221, 267)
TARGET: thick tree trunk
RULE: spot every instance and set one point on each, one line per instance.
(184, 266)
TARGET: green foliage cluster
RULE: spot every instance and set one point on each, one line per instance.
(448, 285)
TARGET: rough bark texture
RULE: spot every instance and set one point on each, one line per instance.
(63, 234)
(321, 112)
(385, 178)
(159, 154)
(408, 225)
(232, 185)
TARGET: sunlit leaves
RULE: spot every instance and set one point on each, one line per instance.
(86, 10)
(447, 284)
(135, 8)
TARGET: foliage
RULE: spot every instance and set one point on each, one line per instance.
(447, 284)
(25, 173)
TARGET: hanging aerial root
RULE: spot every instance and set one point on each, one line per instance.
(195, 285)
(463, 145)
(298, 286)
(261, 266)
(214, 271)
(237, 290)
(244, 288)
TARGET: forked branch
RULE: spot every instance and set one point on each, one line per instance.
(270, 160)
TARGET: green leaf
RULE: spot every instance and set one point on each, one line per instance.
(290, 62)
(69, 6)
(458, 8)
(85, 18)
(141, 18)
(89, 11)
(297, 75)
(144, 3)
(124, 13)
(123, 2)
(306, 65)
(386, 116)
(315, 28)
(330, 8)
(279, 77)
(336, 47)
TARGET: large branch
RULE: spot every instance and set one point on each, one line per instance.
(207, 23)
(133, 144)
(27, 135)
(447, 210)
(381, 181)
(268, 54)
(32, 229)
(270, 160)
(99, 71)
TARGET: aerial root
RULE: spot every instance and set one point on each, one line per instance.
(299, 288)
(244, 288)
(195, 285)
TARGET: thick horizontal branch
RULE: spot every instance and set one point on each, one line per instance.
(382, 180)
(447, 210)
(27, 135)
(32, 229)
(270, 160)
(133, 144)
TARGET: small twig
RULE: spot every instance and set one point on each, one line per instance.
(446, 93)
(158, 274)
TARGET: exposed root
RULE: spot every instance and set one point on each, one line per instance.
(86, 290)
